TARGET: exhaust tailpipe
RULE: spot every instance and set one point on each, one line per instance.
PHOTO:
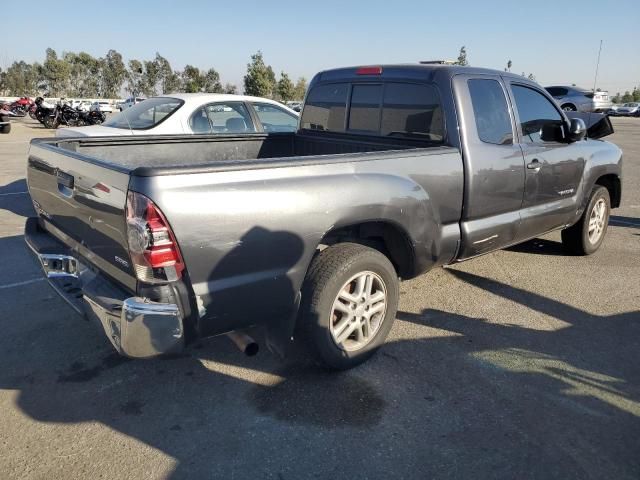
(244, 342)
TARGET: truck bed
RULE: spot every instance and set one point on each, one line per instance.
(161, 155)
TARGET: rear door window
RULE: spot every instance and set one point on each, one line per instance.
(412, 110)
(325, 107)
(232, 117)
(490, 110)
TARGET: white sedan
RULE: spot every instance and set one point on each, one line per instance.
(100, 106)
(195, 113)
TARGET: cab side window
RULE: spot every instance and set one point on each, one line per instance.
(540, 121)
(491, 113)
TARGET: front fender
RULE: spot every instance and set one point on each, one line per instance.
(606, 159)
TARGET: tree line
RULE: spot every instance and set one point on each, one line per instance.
(82, 75)
(628, 96)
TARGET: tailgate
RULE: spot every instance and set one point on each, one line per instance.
(82, 202)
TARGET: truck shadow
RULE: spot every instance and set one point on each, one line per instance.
(482, 400)
(15, 198)
(629, 222)
(539, 246)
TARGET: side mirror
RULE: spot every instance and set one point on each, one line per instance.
(577, 130)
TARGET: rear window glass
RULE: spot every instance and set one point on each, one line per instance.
(365, 108)
(145, 114)
(557, 91)
(491, 113)
(412, 110)
(325, 107)
(389, 109)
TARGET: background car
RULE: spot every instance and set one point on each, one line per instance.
(101, 106)
(5, 125)
(295, 106)
(195, 113)
(130, 102)
(84, 105)
(631, 109)
(613, 109)
(572, 99)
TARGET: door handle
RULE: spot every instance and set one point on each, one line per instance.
(534, 165)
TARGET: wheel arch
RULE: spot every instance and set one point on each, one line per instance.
(612, 183)
(389, 238)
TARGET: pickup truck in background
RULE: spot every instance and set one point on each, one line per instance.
(394, 170)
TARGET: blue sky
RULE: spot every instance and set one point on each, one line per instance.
(556, 41)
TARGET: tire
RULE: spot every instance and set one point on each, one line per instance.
(568, 107)
(576, 239)
(333, 273)
(5, 128)
(50, 122)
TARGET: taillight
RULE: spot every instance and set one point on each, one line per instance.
(153, 248)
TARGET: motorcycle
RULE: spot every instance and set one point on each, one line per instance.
(96, 117)
(21, 106)
(45, 113)
(63, 114)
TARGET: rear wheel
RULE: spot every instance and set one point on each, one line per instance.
(50, 122)
(349, 303)
(5, 128)
(586, 236)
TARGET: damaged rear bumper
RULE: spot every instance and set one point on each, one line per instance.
(137, 327)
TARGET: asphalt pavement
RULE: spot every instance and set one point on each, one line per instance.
(524, 363)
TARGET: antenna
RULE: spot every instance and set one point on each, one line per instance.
(595, 80)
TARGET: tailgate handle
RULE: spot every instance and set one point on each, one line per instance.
(64, 178)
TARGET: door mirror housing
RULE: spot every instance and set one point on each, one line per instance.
(577, 130)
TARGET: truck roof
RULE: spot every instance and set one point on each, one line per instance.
(415, 71)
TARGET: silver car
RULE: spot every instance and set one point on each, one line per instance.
(631, 109)
(572, 99)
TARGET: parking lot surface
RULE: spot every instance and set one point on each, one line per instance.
(524, 363)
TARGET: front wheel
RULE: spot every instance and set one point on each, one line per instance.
(567, 107)
(349, 303)
(586, 236)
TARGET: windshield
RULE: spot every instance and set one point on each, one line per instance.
(145, 114)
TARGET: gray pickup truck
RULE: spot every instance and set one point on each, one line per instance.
(394, 170)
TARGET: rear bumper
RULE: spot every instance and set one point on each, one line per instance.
(599, 107)
(136, 327)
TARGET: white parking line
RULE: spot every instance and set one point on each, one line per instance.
(13, 193)
(19, 284)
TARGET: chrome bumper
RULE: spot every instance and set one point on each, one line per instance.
(141, 328)
(137, 327)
